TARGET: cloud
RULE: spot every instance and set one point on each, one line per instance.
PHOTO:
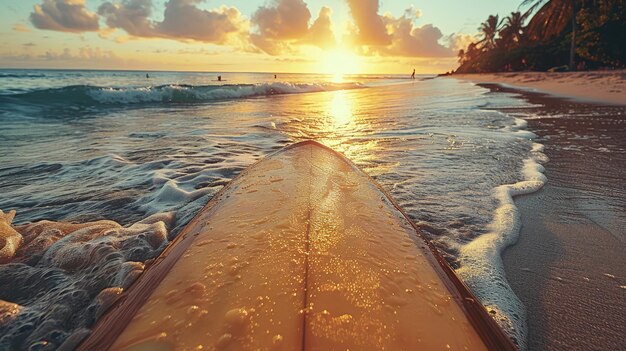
(200, 51)
(131, 15)
(83, 57)
(390, 36)
(294, 60)
(18, 27)
(281, 27)
(289, 19)
(284, 25)
(284, 21)
(64, 16)
(370, 29)
(458, 41)
(410, 40)
(182, 20)
(321, 31)
(104, 33)
(83, 54)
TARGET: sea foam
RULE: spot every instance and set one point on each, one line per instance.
(63, 276)
(481, 261)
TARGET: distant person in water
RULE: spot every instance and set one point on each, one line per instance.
(219, 78)
(274, 76)
(413, 74)
(147, 75)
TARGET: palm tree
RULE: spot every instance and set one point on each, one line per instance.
(461, 56)
(489, 30)
(551, 19)
(511, 31)
(472, 51)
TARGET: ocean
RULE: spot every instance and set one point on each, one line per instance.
(133, 159)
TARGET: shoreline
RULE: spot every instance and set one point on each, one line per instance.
(600, 87)
(567, 266)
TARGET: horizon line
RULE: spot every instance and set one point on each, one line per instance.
(196, 71)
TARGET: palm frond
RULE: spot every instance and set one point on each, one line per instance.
(551, 19)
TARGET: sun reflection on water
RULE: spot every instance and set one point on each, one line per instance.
(343, 120)
(346, 130)
(341, 109)
(337, 78)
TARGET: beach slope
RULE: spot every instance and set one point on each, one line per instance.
(607, 87)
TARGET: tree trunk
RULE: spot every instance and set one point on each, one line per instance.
(572, 48)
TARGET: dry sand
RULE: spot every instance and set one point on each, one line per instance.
(593, 86)
(569, 265)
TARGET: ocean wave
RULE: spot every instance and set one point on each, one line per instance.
(170, 93)
(21, 75)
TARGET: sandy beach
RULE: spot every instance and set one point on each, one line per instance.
(568, 266)
(608, 87)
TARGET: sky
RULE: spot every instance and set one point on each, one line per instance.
(299, 36)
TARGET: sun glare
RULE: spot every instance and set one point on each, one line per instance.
(338, 63)
(340, 109)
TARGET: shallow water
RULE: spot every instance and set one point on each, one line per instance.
(86, 146)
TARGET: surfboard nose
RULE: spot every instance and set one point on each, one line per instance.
(302, 251)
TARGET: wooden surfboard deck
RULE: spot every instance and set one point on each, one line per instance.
(302, 251)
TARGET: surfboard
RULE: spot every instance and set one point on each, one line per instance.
(301, 251)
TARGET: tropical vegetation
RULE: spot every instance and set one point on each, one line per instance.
(550, 35)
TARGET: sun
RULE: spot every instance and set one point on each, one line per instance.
(340, 62)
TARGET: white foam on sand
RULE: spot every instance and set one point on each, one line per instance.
(481, 261)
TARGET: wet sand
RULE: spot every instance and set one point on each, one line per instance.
(569, 264)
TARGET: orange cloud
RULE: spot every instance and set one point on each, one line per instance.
(458, 41)
(281, 28)
(64, 16)
(288, 19)
(370, 29)
(182, 20)
(390, 36)
(321, 31)
(18, 27)
(277, 25)
(410, 40)
(85, 54)
(130, 15)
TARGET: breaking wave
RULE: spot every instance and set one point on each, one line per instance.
(170, 93)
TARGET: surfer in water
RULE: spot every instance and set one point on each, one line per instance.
(413, 74)
(147, 76)
(219, 78)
